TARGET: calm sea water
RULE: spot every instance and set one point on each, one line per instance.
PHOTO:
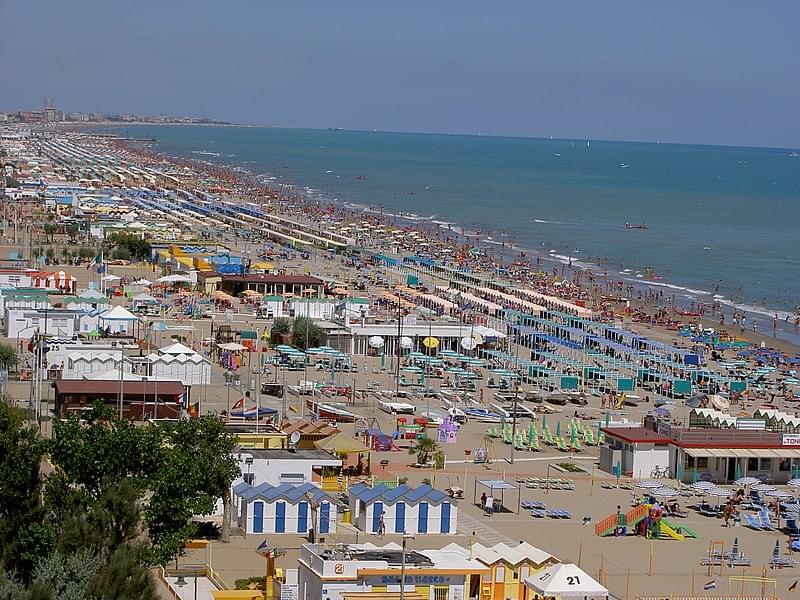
(721, 220)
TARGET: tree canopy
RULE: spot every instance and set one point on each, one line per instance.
(120, 499)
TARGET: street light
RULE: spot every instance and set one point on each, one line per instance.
(406, 537)
(181, 582)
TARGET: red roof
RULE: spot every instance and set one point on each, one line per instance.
(637, 435)
(105, 387)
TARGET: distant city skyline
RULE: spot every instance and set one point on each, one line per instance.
(711, 73)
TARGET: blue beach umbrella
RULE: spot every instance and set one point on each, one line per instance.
(558, 428)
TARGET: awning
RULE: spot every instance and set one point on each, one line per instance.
(743, 452)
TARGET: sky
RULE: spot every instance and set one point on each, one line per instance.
(717, 72)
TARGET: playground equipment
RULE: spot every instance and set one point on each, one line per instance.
(648, 520)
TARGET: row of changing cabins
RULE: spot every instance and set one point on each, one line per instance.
(290, 508)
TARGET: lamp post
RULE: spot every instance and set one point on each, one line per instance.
(181, 581)
(406, 537)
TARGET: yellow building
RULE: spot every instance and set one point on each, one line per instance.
(509, 566)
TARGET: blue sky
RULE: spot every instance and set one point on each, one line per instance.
(723, 72)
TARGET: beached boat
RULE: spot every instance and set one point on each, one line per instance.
(254, 413)
(396, 408)
(557, 397)
(508, 412)
(720, 402)
(483, 415)
(434, 418)
(330, 412)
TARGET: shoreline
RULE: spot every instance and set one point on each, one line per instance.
(302, 202)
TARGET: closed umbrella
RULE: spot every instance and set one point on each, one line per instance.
(695, 476)
(738, 470)
(679, 471)
(558, 428)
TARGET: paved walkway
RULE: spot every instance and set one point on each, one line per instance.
(486, 535)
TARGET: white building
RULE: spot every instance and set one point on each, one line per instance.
(177, 362)
(637, 450)
(420, 510)
(358, 570)
(276, 466)
(76, 360)
(59, 322)
(284, 508)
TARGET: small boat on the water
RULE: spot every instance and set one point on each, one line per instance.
(636, 226)
(623, 166)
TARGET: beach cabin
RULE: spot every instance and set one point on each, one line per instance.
(418, 510)
(180, 363)
(284, 508)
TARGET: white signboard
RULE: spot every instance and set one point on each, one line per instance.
(289, 591)
(791, 439)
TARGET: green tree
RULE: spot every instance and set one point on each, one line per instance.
(25, 536)
(305, 333)
(198, 470)
(423, 450)
(8, 356)
(49, 231)
(178, 470)
(64, 577)
(51, 255)
(72, 231)
(121, 253)
(282, 326)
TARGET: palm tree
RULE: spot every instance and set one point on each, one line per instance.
(423, 449)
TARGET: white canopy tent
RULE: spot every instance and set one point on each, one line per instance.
(564, 580)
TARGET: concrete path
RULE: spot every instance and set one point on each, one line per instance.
(486, 535)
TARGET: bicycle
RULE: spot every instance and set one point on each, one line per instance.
(660, 473)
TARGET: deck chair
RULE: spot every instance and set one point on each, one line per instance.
(752, 522)
(763, 517)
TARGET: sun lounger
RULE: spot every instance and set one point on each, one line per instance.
(763, 518)
(753, 523)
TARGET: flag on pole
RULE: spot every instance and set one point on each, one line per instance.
(711, 585)
(793, 587)
(94, 261)
(239, 404)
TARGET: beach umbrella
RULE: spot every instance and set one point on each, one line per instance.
(679, 471)
(573, 438)
(558, 428)
(430, 342)
(406, 343)
(608, 418)
(544, 421)
(665, 492)
(695, 476)
(764, 487)
(747, 481)
(376, 341)
(779, 494)
(738, 471)
(795, 483)
(650, 484)
(702, 485)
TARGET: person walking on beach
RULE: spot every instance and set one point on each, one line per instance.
(382, 525)
(489, 506)
(483, 502)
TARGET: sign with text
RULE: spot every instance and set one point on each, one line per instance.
(791, 439)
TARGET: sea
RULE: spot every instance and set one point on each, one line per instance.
(723, 223)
